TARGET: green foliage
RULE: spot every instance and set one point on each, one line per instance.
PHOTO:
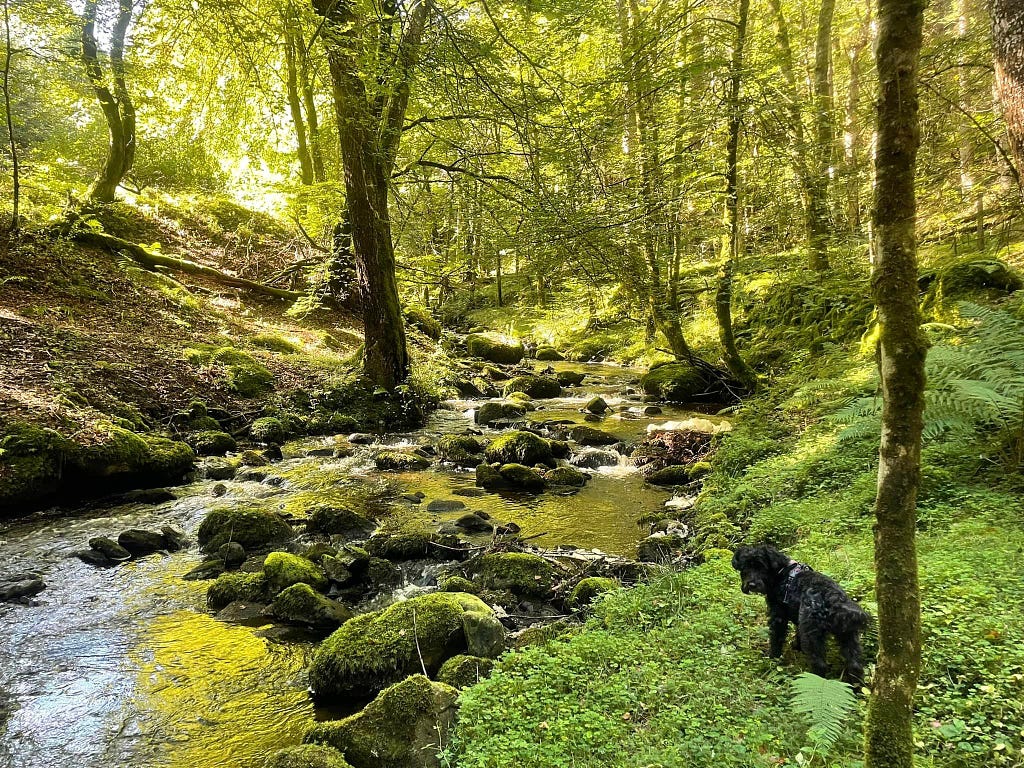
(827, 705)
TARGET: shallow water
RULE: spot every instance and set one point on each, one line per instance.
(124, 667)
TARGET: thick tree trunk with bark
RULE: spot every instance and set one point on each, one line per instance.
(901, 358)
(117, 106)
(369, 135)
(730, 242)
(1008, 43)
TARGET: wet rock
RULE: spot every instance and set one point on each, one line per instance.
(140, 542)
(382, 575)
(461, 450)
(467, 389)
(337, 572)
(208, 569)
(661, 548)
(412, 498)
(339, 521)
(534, 386)
(589, 436)
(560, 449)
(566, 476)
(343, 450)
(520, 476)
(308, 756)
(570, 378)
(473, 523)
(400, 461)
(458, 584)
(495, 349)
(677, 382)
(20, 587)
(507, 529)
(268, 430)
(110, 549)
(146, 496)
(469, 492)
(315, 453)
(596, 405)
(242, 612)
(211, 443)
(518, 447)
(174, 539)
(283, 569)
(219, 490)
(651, 410)
(489, 477)
(491, 413)
(93, 557)
(548, 353)
(299, 604)
(587, 589)
(318, 550)
(374, 650)
(231, 587)
(413, 546)
(362, 438)
(232, 554)
(592, 417)
(404, 727)
(669, 476)
(522, 573)
(252, 476)
(219, 469)
(254, 459)
(593, 458)
(251, 527)
(445, 505)
(494, 374)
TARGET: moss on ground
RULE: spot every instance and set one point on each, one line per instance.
(308, 756)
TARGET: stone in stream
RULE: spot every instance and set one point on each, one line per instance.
(231, 587)
(249, 526)
(219, 469)
(300, 604)
(337, 572)
(243, 612)
(283, 569)
(20, 587)
(174, 539)
(374, 650)
(473, 523)
(569, 378)
(400, 461)
(308, 756)
(145, 496)
(592, 417)
(340, 521)
(141, 542)
(232, 554)
(93, 557)
(675, 475)
(568, 476)
(534, 386)
(495, 349)
(520, 476)
(219, 490)
(596, 405)
(518, 447)
(208, 569)
(404, 727)
(445, 505)
(469, 492)
(592, 458)
(522, 573)
(110, 549)
(490, 413)
(588, 436)
(461, 450)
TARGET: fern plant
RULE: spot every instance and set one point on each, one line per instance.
(827, 706)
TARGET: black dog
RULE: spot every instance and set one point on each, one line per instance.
(817, 605)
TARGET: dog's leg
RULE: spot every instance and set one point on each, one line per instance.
(778, 628)
(812, 641)
(849, 647)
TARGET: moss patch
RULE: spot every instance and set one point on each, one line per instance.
(250, 527)
(308, 756)
(517, 447)
(283, 570)
(522, 573)
(495, 349)
(676, 382)
(463, 671)
(229, 587)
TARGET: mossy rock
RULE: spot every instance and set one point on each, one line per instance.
(516, 447)
(587, 589)
(548, 353)
(250, 527)
(590, 436)
(566, 476)
(275, 343)
(406, 726)
(676, 475)
(246, 375)
(676, 382)
(268, 430)
(412, 545)
(495, 349)
(520, 476)
(31, 464)
(458, 584)
(560, 449)
(973, 276)
(661, 548)
(596, 405)
(300, 604)
(489, 477)
(339, 520)
(374, 650)
(462, 671)
(522, 398)
(488, 413)
(308, 756)
(570, 378)
(232, 587)
(211, 443)
(540, 634)
(421, 319)
(522, 573)
(284, 569)
(534, 386)
(253, 459)
(461, 450)
(400, 461)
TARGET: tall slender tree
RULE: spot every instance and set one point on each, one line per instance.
(901, 357)
(15, 164)
(1008, 42)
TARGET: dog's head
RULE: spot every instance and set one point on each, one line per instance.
(760, 568)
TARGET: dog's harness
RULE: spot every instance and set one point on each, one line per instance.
(791, 593)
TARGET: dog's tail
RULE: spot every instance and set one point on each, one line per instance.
(850, 618)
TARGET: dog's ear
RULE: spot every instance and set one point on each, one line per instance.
(772, 559)
(739, 557)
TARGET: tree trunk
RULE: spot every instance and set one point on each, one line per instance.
(15, 167)
(117, 107)
(852, 139)
(818, 225)
(294, 102)
(316, 153)
(1008, 42)
(369, 136)
(901, 357)
(730, 242)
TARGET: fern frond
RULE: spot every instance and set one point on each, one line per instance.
(825, 704)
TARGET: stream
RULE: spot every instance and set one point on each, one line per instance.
(125, 666)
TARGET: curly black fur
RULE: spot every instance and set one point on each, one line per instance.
(812, 601)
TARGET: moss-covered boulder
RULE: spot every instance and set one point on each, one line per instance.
(596, 404)
(232, 587)
(669, 476)
(300, 604)
(661, 548)
(406, 726)
(463, 670)
(560, 449)
(516, 447)
(676, 382)
(523, 477)
(250, 527)
(569, 476)
(489, 413)
(570, 378)
(458, 584)
(308, 756)
(283, 570)
(420, 318)
(31, 463)
(400, 461)
(268, 430)
(339, 521)
(521, 573)
(548, 353)
(211, 442)
(587, 589)
(590, 436)
(374, 650)
(245, 375)
(489, 477)
(461, 450)
(534, 386)
(494, 348)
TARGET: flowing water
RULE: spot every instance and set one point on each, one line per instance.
(125, 667)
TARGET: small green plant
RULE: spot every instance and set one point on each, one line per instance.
(827, 706)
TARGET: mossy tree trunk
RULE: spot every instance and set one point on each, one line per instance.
(1008, 42)
(117, 106)
(901, 358)
(369, 130)
(731, 241)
